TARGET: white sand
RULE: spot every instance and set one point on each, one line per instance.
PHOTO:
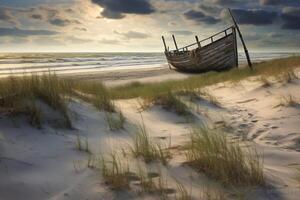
(45, 164)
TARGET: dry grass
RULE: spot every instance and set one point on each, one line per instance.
(146, 148)
(265, 82)
(211, 152)
(169, 101)
(182, 193)
(288, 101)
(95, 93)
(213, 193)
(287, 77)
(149, 90)
(209, 97)
(115, 172)
(19, 95)
(82, 144)
(115, 121)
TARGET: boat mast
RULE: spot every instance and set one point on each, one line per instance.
(241, 37)
(175, 42)
(163, 39)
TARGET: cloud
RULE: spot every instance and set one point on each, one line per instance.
(133, 35)
(291, 18)
(279, 2)
(108, 41)
(209, 9)
(37, 16)
(117, 9)
(24, 32)
(254, 17)
(184, 33)
(226, 2)
(80, 29)
(6, 16)
(48, 41)
(59, 22)
(63, 22)
(76, 40)
(200, 17)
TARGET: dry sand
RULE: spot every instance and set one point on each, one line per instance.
(45, 164)
(113, 77)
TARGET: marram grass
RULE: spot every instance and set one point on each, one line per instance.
(211, 152)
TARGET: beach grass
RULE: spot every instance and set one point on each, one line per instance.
(267, 69)
(289, 101)
(213, 193)
(115, 121)
(265, 82)
(169, 101)
(211, 152)
(288, 77)
(82, 144)
(145, 147)
(115, 172)
(95, 93)
(19, 95)
(182, 192)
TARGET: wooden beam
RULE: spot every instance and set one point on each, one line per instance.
(235, 47)
(197, 39)
(175, 42)
(241, 37)
(163, 39)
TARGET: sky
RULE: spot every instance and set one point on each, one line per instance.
(137, 25)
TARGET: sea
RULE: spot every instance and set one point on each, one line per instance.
(16, 64)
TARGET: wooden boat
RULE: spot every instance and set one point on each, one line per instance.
(218, 52)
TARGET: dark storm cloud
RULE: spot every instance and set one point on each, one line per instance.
(133, 35)
(200, 17)
(63, 22)
(226, 2)
(59, 22)
(184, 33)
(37, 16)
(291, 18)
(117, 8)
(280, 2)
(24, 32)
(254, 17)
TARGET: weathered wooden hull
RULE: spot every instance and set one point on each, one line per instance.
(220, 54)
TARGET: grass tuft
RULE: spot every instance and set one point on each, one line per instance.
(83, 145)
(144, 147)
(265, 82)
(211, 152)
(182, 193)
(115, 172)
(170, 102)
(95, 93)
(288, 101)
(210, 193)
(115, 121)
(150, 90)
(19, 95)
(288, 77)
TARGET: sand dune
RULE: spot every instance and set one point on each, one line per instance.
(47, 164)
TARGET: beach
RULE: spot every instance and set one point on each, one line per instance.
(159, 109)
